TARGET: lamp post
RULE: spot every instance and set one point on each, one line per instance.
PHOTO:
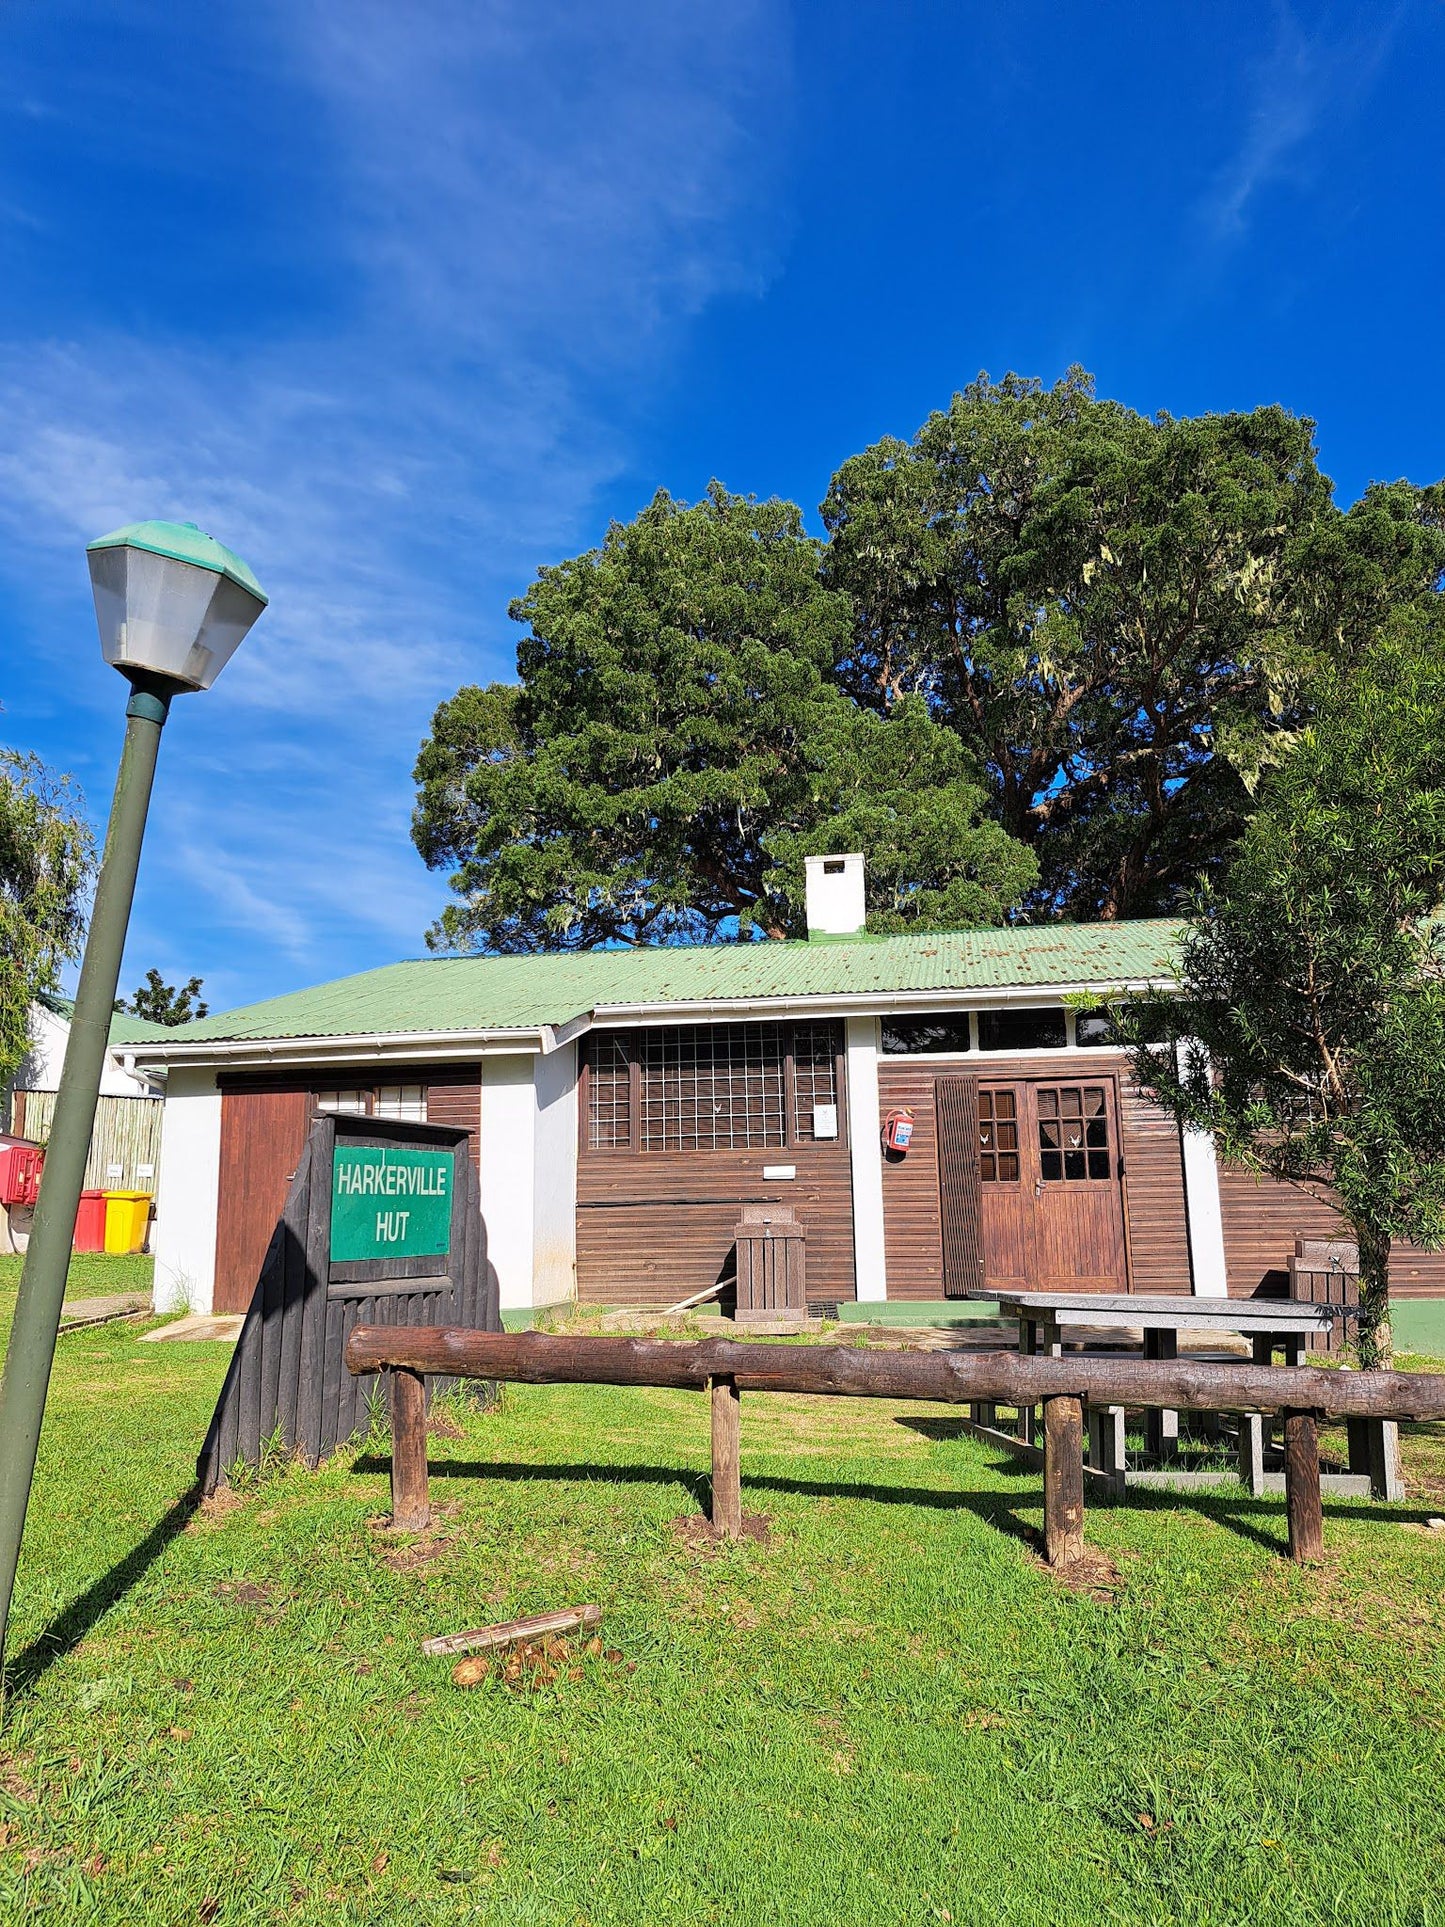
(172, 605)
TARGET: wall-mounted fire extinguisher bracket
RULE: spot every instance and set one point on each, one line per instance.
(898, 1132)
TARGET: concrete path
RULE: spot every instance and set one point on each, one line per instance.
(198, 1325)
(76, 1312)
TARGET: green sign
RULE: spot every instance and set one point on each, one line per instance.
(388, 1203)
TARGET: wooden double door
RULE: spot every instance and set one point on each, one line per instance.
(1031, 1189)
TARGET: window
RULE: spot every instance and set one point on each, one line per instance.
(1073, 1132)
(998, 1137)
(406, 1101)
(913, 1036)
(1028, 1029)
(344, 1103)
(712, 1087)
(1093, 1029)
(609, 1085)
(815, 1083)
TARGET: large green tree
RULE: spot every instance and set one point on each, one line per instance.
(677, 744)
(1114, 613)
(162, 1003)
(1307, 1029)
(47, 857)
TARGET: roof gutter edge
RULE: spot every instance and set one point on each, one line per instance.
(345, 1047)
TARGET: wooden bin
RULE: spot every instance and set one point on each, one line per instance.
(772, 1267)
(1326, 1271)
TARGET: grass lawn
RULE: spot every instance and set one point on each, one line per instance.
(890, 1713)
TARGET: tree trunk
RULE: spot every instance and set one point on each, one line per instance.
(1373, 1338)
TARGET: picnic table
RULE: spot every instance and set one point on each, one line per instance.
(1048, 1320)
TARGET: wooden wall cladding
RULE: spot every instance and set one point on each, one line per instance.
(1262, 1219)
(1153, 1170)
(264, 1117)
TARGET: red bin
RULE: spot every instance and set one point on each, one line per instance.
(90, 1222)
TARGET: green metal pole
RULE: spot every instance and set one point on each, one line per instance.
(47, 1258)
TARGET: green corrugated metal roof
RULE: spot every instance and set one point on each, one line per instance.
(124, 1029)
(450, 994)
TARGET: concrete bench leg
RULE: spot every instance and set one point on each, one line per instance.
(1251, 1453)
(1161, 1429)
(1375, 1453)
(1106, 1443)
(984, 1412)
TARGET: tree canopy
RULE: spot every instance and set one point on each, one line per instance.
(676, 746)
(1113, 613)
(1308, 1032)
(162, 1003)
(47, 857)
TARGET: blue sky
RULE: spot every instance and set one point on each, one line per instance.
(404, 301)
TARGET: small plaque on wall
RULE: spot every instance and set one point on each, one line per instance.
(825, 1120)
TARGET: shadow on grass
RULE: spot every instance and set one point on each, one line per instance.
(1260, 1520)
(69, 1627)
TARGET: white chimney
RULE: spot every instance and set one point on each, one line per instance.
(835, 895)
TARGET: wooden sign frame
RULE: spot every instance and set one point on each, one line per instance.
(287, 1382)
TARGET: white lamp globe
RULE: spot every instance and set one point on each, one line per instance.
(171, 602)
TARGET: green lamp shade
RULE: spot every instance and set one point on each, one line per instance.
(171, 601)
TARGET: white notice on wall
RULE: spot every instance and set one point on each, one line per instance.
(825, 1120)
(115, 1170)
(145, 1171)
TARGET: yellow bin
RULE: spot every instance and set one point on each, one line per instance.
(127, 1213)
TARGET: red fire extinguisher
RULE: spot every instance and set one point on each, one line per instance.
(898, 1131)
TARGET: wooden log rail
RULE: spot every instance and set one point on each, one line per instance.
(1301, 1395)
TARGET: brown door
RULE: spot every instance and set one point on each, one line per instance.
(959, 1189)
(1078, 1199)
(262, 1133)
(1052, 1208)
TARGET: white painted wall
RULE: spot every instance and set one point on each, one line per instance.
(187, 1186)
(40, 1068)
(865, 1151)
(1204, 1216)
(554, 1212)
(508, 1169)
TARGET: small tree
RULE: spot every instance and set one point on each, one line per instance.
(162, 1003)
(47, 856)
(1308, 1028)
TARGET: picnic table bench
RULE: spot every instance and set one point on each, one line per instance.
(1048, 1320)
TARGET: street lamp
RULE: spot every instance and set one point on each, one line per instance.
(172, 605)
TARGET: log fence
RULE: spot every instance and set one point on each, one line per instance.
(1066, 1387)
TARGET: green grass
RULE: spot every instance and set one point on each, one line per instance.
(92, 1275)
(890, 1713)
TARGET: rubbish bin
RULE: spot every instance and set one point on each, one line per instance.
(127, 1213)
(90, 1222)
(772, 1278)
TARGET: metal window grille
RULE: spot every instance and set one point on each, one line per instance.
(402, 1100)
(712, 1087)
(815, 1075)
(609, 1100)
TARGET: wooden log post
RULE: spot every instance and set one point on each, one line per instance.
(410, 1503)
(1302, 1487)
(727, 1490)
(1063, 1480)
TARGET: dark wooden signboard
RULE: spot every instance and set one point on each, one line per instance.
(382, 1226)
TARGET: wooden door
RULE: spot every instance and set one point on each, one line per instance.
(1007, 1187)
(956, 1103)
(1078, 1196)
(262, 1133)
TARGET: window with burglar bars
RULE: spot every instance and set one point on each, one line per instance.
(609, 1110)
(704, 1087)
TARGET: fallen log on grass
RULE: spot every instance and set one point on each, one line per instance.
(514, 1632)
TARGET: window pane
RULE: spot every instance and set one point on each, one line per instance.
(1093, 1029)
(1031, 1029)
(815, 1081)
(402, 1100)
(910, 1036)
(343, 1103)
(609, 1093)
(712, 1087)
